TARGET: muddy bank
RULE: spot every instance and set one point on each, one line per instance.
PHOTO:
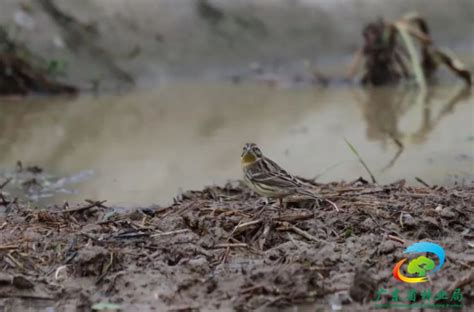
(107, 45)
(224, 249)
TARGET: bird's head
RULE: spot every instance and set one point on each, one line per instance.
(250, 154)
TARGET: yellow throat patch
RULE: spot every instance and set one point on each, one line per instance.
(248, 159)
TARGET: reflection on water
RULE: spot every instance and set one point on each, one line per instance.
(383, 119)
(144, 147)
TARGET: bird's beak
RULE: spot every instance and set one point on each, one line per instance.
(244, 154)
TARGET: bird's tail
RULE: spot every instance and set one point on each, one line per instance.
(318, 198)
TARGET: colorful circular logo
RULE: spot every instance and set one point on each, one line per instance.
(420, 266)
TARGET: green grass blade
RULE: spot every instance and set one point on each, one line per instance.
(353, 149)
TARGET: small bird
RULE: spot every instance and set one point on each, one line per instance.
(267, 178)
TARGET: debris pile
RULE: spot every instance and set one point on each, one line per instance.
(403, 50)
(21, 74)
(224, 247)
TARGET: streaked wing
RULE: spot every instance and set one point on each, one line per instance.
(270, 173)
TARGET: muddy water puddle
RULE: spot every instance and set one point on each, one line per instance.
(144, 147)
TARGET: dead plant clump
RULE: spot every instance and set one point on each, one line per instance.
(403, 50)
(224, 249)
(21, 73)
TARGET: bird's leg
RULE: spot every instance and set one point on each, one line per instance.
(276, 205)
(282, 205)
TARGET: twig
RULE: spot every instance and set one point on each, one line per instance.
(225, 255)
(250, 248)
(371, 192)
(397, 239)
(247, 224)
(15, 262)
(263, 237)
(35, 297)
(10, 205)
(232, 233)
(230, 245)
(269, 303)
(4, 201)
(242, 227)
(465, 280)
(457, 261)
(163, 209)
(112, 283)
(98, 203)
(5, 183)
(170, 233)
(203, 251)
(58, 270)
(89, 236)
(332, 204)
(285, 226)
(180, 210)
(293, 241)
(106, 269)
(92, 205)
(8, 247)
(348, 189)
(304, 234)
(70, 257)
(239, 226)
(183, 308)
(290, 218)
(420, 195)
(252, 288)
(359, 180)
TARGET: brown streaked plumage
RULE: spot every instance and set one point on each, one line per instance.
(267, 178)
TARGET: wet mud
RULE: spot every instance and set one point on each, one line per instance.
(225, 249)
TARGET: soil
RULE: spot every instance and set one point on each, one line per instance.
(225, 249)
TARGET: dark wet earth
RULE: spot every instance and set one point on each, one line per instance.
(223, 249)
